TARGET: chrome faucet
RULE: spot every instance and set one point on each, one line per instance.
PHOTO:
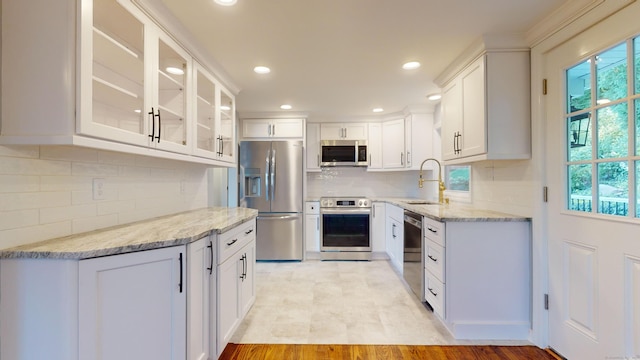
(441, 187)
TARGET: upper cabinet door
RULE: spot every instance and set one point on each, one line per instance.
(113, 104)
(227, 126)
(168, 118)
(206, 142)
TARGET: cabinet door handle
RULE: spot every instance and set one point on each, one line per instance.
(180, 284)
(246, 266)
(221, 146)
(431, 291)
(318, 160)
(269, 129)
(402, 159)
(232, 242)
(431, 229)
(273, 129)
(393, 230)
(153, 125)
(248, 232)
(432, 258)
(210, 246)
(159, 126)
(345, 132)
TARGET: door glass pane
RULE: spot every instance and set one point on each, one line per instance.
(579, 87)
(118, 67)
(611, 71)
(637, 188)
(613, 140)
(613, 188)
(636, 62)
(227, 111)
(637, 121)
(205, 109)
(171, 94)
(579, 137)
(580, 196)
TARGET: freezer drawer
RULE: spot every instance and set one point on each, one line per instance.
(279, 236)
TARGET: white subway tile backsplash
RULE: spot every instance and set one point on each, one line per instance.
(18, 219)
(19, 183)
(57, 214)
(94, 223)
(47, 192)
(33, 200)
(27, 166)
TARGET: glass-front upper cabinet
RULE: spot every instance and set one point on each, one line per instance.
(215, 114)
(133, 78)
(227, 126)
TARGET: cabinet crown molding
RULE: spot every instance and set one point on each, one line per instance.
(486, 43)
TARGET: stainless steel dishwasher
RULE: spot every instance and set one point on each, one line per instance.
(413, 260)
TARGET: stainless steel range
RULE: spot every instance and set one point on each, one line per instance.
(345, 228)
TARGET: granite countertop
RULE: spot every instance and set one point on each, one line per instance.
(453, 211)
(171, 230)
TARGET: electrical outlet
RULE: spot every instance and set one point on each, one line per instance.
(98, 189)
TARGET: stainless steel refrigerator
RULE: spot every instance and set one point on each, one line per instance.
(270, 177)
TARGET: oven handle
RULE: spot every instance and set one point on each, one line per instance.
(338, 211)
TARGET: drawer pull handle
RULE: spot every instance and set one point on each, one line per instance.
(232, 242)
(432, 258)
(248, 232)
(431, 229)
(434, 293)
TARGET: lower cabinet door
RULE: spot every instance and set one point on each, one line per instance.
(200, 265)
(133, 306)
(247, 281)
(228, 299)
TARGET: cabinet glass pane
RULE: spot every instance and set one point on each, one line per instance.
(205, 113)
(118, 67)
(171, 94)
(227, 111)
(611, 71)
(580, 195)
(613, 140)
(613, 188)
(579, 87)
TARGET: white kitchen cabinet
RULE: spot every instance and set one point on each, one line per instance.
(133, 306)
(201, 299)
(378, 227)
(395, 235)
(393, 151)
(486, 109)
(487, 261)
(313, 147)
(419, 140)
(109, 90)
(343, 131)
(235, 282)
(312, 226)
(374, 146)
(215, 132)
(273, 128)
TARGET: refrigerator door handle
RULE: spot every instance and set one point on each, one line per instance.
(267, 171)
(273, 173)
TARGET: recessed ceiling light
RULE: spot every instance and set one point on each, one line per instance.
(226, 2)
(377, 110)
(261, 69)
(434, 97)
(411, 65)
(174, 70)
(285, 107)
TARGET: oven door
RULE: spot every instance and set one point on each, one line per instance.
(345, 229)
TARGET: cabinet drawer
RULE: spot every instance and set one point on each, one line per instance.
(434, 293)
(433, 230)
(312, 207)
(233, 240)
(434, 259)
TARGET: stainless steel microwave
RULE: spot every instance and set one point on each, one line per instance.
(343, 153)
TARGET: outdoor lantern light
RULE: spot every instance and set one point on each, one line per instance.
(579, 129)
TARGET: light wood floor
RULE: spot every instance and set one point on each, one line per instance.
(364, 352)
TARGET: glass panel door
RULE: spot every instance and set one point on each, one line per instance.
(226, 128)
(205, 114)
(171, 114)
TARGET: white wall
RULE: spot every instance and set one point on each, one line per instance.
(350, 181)
(46, 191)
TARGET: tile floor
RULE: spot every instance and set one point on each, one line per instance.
(338, 302)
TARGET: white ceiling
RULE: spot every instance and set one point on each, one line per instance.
(336, 60)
